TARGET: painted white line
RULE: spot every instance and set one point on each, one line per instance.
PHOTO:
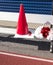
(26, 57)
(7, 30)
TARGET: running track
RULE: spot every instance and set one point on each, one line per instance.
(14, 59)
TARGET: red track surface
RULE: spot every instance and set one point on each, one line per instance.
(13, 60)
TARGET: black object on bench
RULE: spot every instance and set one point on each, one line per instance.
(50, 42)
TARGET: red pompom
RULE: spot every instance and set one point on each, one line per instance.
(45, 31)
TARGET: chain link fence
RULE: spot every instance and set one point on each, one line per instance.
(10, 24)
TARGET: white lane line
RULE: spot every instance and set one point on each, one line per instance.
(7, 30)
(26, 57)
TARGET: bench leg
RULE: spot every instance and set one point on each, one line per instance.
(51, 47)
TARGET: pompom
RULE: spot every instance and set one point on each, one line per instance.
(45, 31)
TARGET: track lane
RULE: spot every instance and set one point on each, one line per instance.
(12, 59)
